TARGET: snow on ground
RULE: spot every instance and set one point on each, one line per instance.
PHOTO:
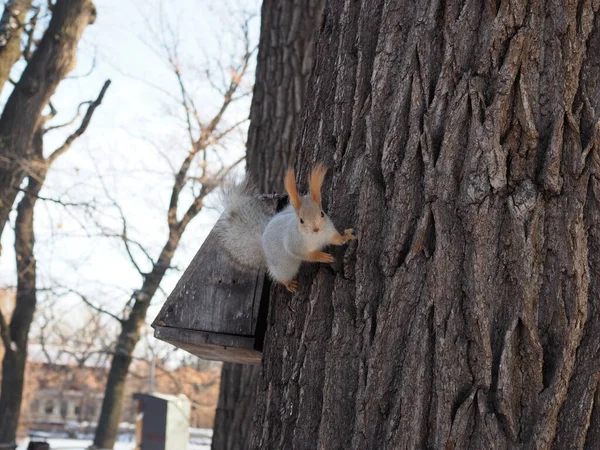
(75, 444)
(82, 444)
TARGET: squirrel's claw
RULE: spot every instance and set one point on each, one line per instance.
(349, 234)
(291, 285)
(327, 258)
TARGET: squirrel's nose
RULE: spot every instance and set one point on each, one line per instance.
(316, 230)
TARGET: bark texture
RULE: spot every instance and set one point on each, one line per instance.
(285, 57)
(53, 59)
(233, 420)
(463, 141)
(12, 24)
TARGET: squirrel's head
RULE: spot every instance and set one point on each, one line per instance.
(311, 218)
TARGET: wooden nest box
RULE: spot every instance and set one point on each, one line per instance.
(216, 310)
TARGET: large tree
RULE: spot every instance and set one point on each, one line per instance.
(195, 175)
(14, 334)
(284, 61)
(22, 126)
(463, 141)
(54, 57)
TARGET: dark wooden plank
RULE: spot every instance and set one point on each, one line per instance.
(213, 346)
(213, 294)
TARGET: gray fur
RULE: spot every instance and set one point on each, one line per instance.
(255, 240)
(242, 224)
(285, 246)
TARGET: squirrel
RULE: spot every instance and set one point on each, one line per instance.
(279, 243)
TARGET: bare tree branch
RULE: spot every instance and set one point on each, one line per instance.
(222, 134)
(84, 124)
(62, 202)
(93, 306)
(30, 33)
(70, 122)
(123, 235)
(89, 72)
(42, 339)
(184, 102)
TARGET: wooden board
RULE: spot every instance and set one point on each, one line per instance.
(213, 295)
(213, 346)
(216, 298)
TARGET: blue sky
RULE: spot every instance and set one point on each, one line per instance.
(127, 152)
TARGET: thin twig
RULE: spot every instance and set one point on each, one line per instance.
(70, 122)
(95, 307)
(84, 124)
(60, 202)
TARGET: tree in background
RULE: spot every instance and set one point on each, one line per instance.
(46, 66)
(12, 25)
(284, 61)
(47, 63)
(14, 333)
(200, 172)
(463, 146)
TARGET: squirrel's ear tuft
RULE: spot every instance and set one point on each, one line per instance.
(290, 187)
(315, 181)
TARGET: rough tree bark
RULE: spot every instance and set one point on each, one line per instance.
(52, 60)
(233, 420)
(284, 61)
(15, 333)
(463, 141)
(285, 58)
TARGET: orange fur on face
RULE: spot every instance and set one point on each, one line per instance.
(315, 182)
(290, 187)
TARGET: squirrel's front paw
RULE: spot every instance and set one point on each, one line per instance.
(291, 285)
(327, 258)
(340, 239)
(318, 256)
(349, 235)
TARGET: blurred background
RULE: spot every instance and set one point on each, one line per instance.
(139, 130)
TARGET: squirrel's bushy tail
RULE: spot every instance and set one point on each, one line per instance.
(241, 225)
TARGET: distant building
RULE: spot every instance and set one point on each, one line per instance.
(54, 405)
(67, 394)
(67, 391)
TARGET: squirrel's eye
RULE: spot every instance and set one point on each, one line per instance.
(322, 214)
(301, 221)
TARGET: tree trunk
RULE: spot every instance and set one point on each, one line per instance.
(15, 334)
(53, 59)
(15, 356)
(285, 56)
(12, 24)
(463, 143)
(236, 406)
(114, 394)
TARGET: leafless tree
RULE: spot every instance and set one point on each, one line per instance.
(46, 66)
(199, 174)
(87, 342)
(14, 333)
